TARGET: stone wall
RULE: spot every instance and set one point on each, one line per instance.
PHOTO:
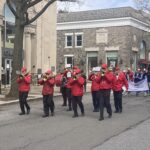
(126, 38)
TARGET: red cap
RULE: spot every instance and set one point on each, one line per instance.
(75, 67)
(117, 68)
(48, 71)
(104, 66)
(77, 71)
(24, 69)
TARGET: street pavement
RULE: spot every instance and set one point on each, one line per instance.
(137, 138)
(62, 132)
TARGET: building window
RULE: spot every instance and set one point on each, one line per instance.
(79, 39)
(68, 59)
(69, 40)
(142, 50)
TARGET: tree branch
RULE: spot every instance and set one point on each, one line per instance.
(43, 10)
(33, 3)
(11, 8)
(39, 14)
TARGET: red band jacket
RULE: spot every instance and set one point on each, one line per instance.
(24, 83)
(77, 86)
(48, 86)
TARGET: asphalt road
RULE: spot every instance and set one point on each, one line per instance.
(62, 132)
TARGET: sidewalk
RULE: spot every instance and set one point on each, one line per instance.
(35, 93)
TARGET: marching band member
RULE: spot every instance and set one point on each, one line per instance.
(48, 82)
(68, 86)
(105, 79)
(77, 83)
(118, 82)
(64, 88)
(95, 88)
(24, 81)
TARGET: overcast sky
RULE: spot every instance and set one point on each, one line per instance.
(86, 5)
(98, 4)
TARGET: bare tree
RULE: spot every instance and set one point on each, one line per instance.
(20, 9)
(143, 4)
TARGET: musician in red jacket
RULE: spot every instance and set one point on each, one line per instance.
(118, 82)
(24, 81)
(94, 89)
(77, 86)
(48, 83)
(104, 79)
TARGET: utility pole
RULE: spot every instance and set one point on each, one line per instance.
(49, 61)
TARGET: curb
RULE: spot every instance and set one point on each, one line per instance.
(4, 103)
(29, 99)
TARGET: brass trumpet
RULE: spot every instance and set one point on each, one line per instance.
(23, 75)
(46, 77)
(103, 72)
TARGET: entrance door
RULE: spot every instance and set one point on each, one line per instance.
(112, 61)
(112, 58)
(92, 61)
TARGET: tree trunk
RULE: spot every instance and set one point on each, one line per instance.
(17, 54)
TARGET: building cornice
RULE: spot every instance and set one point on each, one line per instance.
(113, 22)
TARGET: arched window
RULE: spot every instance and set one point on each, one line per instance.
(142, 50)
(8, 14)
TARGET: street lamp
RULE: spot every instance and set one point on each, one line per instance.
(49, 61)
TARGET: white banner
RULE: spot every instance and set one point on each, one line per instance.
(139, 86)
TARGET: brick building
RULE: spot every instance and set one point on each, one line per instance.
(117, 36)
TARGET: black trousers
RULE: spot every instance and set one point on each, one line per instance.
(104, 101)
(23, 101)
(64, 95)
(77, 100)
(118, 100)
(69, 96)
(48, 103)
(95, 100)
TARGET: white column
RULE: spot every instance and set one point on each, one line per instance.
(27, 52)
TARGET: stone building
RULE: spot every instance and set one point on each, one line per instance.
(116, 36)
(39, 39)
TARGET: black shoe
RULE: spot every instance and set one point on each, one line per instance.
(82, 114)
(116, 111)
(110, 115)
(74, 116)
(101, 118)
(94, 110)
(44, 116)
(21, 113)
(28, 111)
(69, 109)
(52, 114)
(120, 111)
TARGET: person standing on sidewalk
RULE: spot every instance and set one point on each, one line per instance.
(24, 81)
(105, 79)
(118, 82)
(48, 83)
(77, 88)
